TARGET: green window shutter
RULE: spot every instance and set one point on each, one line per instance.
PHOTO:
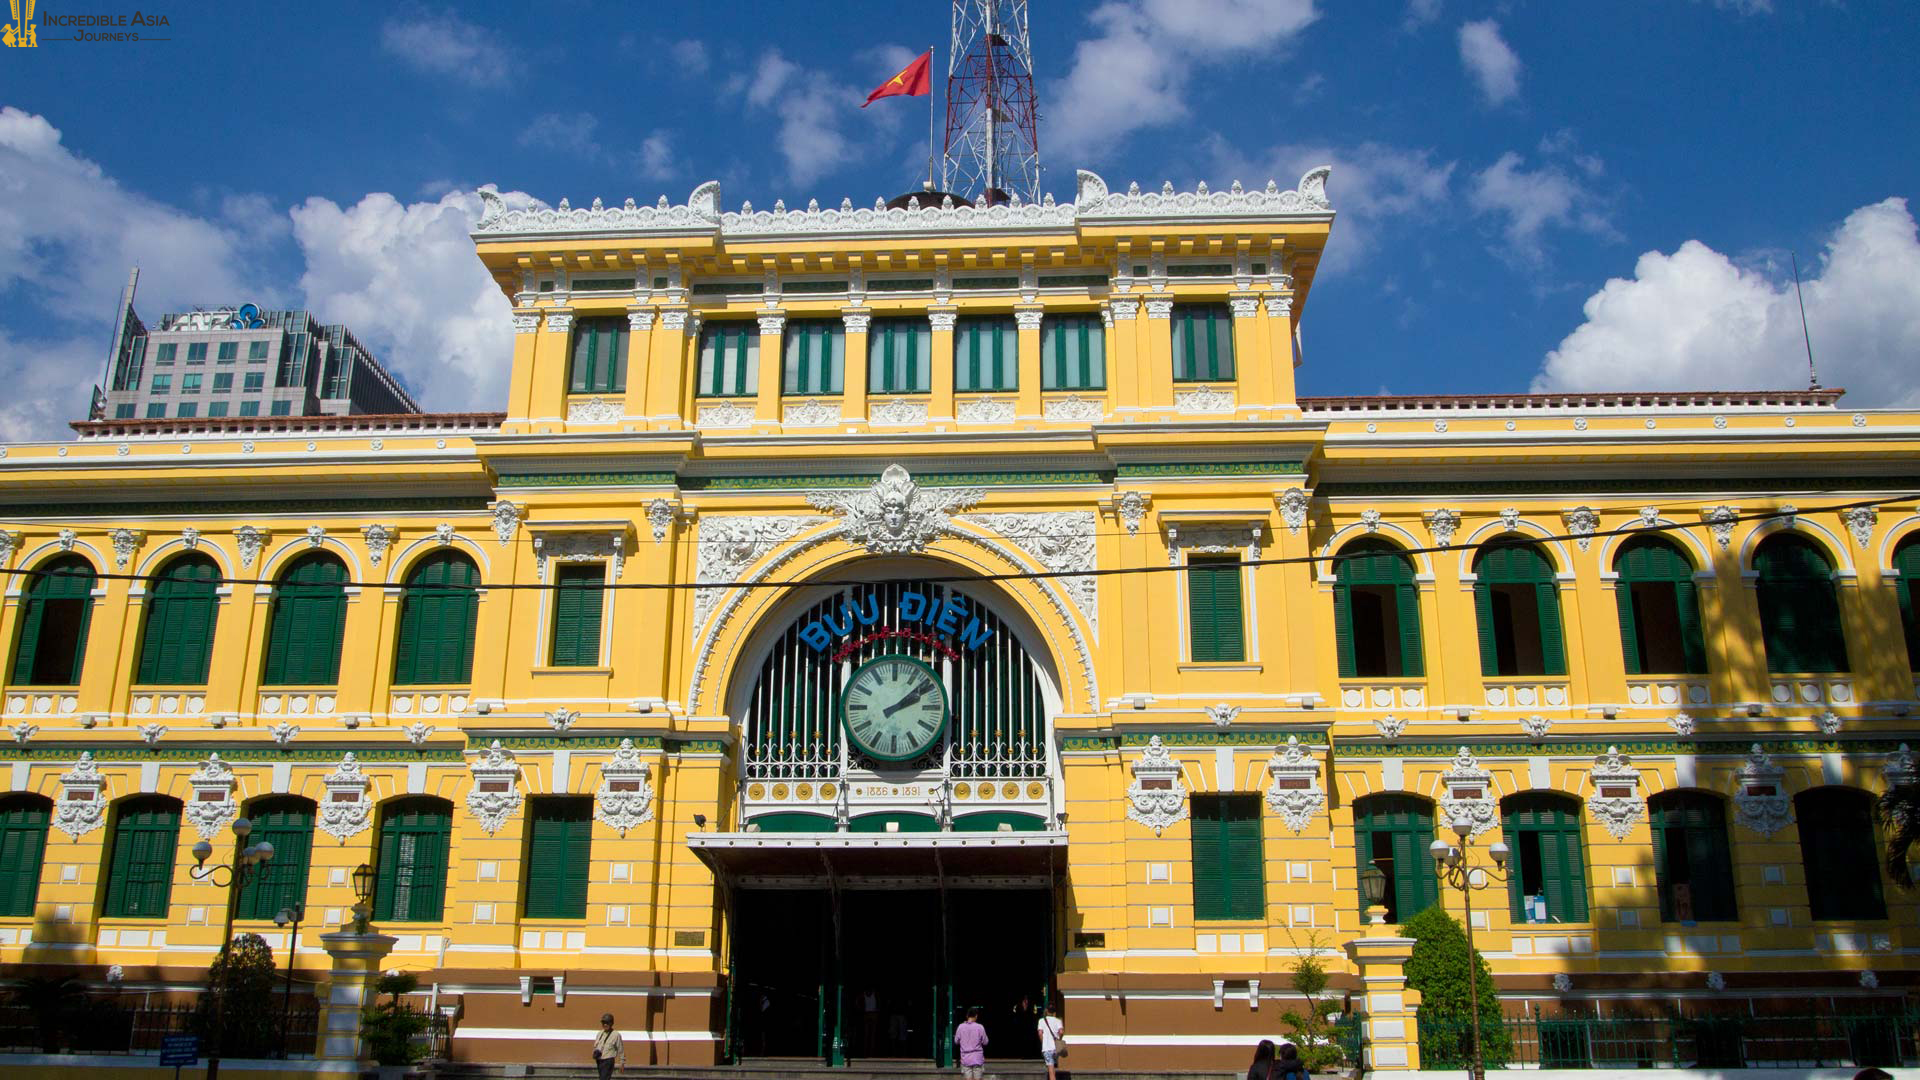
(438, 612)
(1210, 899)
(386, 866)
(1629, 635)
(1483, 619)
(729, 359)
(1573, 874)
(176, 644)
(1408, 824)
(1343, 631)
(577, 603)
(1246, 859)
(1214, 610)
(23, 847)
(1202, 342)
(1693, 641)
(1799, 611)
(599, 356)
(815, 356)
(1712, 873)
(1413, 662)
(145, 836)
(1907, 561)
(898, 356)
(1073, 353)
(287, 824)
(53, 626)
(1553, 651)
(1662, 873)
(1839, 850)
(32, 616)
(307, 623)
(410, 879)
(559, 857)
(985, 351)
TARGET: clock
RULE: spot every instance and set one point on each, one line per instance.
(895, 708)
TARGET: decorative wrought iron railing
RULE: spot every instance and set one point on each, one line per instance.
(1735, 1041)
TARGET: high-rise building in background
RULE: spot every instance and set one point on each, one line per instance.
(240, 361)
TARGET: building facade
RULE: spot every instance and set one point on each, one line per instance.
(241, 361)
(860, 614)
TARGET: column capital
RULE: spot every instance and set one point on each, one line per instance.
(1279, 307)
(942, 318)
(772, 322)
(1125, 307)
(1028, 318)
(1159, 307)
(1244, 307)
(640, 320)
(856, 319)
(559, 320)
(526, 322)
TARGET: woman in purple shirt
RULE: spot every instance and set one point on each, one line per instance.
(971, 1038)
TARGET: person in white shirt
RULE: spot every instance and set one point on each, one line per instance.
(608, 1050)
(1053, 1038)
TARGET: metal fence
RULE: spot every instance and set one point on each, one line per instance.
(104, 1026)
(1684, 1042)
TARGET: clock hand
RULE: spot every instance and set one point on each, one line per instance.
(904, 702)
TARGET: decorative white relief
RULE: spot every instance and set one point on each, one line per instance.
(1131, 508)
(1443, 524)
(67, 539)
(1062, 541)
(661, 514)
(559, 322)
(82, 807)
(1390, 727)
(1716, 981)
(811, 413)
(443, 534)
(899, 411)
(1293, 504)
(579, 547)
(641, 322)
(1562, 981)
(152, 733)
(1860, 522)
(1617, 802)
(190, 537)
(1830, 722)
(1536, 727)
(1158, 797)
(1295, 793)
(596, 410)
(1468, 804)
(506, 518)
(857, 322)
(1279, 307)
(1238, 540)
(283, 733)
(563, 719)
(1440, 426)
(674, 319)
(942, 321)
(1760, 797)
(23, 732)
(1721, 519)
(1681, 723)
(1222, 714)
(987, 410)
(344, 814)
(1582, 522)
(1027, 318)
(1093, 201)
(379, 539)
(418, 732)
(728, 545)
(1073, 409)
(1159, 308)
(494, 795)
(250, 539)
(128, 541)
(895, 516)
(1202, 400)
(212, 806)
(723, 414)
(625, 798)
(1900, 768)
(526, 322)
(1370, 520)
(1510, 518)
(1869, 980)
(1244, 307)
(1124, 308)
(9, 543)
(316, 536)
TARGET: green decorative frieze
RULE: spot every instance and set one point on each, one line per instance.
(1137, 471)
(480, 740)
(1731, 745)
(1089, 743)
(438, 504)
(1720, 485)
(860, 480)
(586, 479)
(1238, 735)
(696, 746)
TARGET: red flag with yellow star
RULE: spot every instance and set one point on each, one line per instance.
(914, 80)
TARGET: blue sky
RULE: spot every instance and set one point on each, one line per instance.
(1531, 195)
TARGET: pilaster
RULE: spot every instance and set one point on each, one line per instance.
(853, 399)
(1156, 351)
(547, 400)
(766, 406)
(941, 403)
(526, 329)
(1027, 385)
(640, 375)
(1279, 357)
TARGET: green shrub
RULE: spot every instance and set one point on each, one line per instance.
(389, 1027)
(240, 994)
(1315, 1036)
(1438, 969)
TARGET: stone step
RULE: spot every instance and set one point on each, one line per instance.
(787, 1068)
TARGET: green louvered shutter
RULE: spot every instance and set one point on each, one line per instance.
(899, 356)
(1799, 612)
(1907, 561)
(1693, 640)
(386, 872)
(145, 836)
(1712, 872)
(729, 359)
(1073, 353)
(1343, 631)
(176, 646)
(1839, 850)
(1553, 650)
(1246, 862)
(1629, 632)
(52, 641)
(559, 856)
(1214, 612)
(1662, 872)
(1408, 825)
(1555, 823)
(577, 601)
(1483, 621)
(23, 847)
(410, 880)
(1202, 342)
(985, 354)
(287, 824)
(307, 624)
(1406, 601)
(599, 356)
(1210, 893)
(438, 612)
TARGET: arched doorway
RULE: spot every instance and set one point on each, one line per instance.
(893, 860)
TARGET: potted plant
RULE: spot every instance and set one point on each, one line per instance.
(389, 1027)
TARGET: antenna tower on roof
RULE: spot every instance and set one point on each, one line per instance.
(992, 144)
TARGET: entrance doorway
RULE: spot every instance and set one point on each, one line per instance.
(893, 981)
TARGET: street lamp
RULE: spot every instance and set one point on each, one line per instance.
(1373, 888)
(289, 914)
(1456, 872)
(248, 861)
(362, 889)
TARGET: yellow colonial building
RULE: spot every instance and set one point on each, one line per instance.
(858, 614)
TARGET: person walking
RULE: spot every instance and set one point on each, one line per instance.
(608, 1050)
(1053, 1038)
(1262, 1067)
(1288, 1066)
(971, 1038)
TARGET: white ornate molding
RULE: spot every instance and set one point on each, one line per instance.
(1468, 804)
(152, 733)
(1760, 794)
(212, 806)
(812, 412)
(82, 807)
(559, 320)
(345, 812)
(10, 541)
(1536, 727)
(942, 322)
(1131, 508)
(526, 322)
(1238, 540)
(1124, 308)
(1295, 793)
(1158, 797)
(562, 719)
(987, 410)
(896, 516)
(250, 539)
(1370, 520)
(1244, 307)
(662, 514)
(723, 414)
(1222, 714)
(1027, 318)
(23, 732)
(1830, 722)
(128, 541)
(1443, 524)
(1293, 504)
(443, 534)
(1202, 400)
(580, 546)
(1860, 522)
(1509, 516)
(1279, 307)
(1390, 727)
(1582, 522)
(418, 732)
(1721, 519)
(729, 545)
(1159, 307)
(506, 518)
(625, 798)
(68, 538)
(379, 538)
(1074, 409)
(1062, 541)
(1617, 801)
(676, 319)
(596, 410)
(897, 412)
(283, 733)
(641, 321)
(494, 795)
(857, 322)
(771, 322)
(1681, 723)
(1092, 200)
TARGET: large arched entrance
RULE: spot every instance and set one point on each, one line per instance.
(893, 855)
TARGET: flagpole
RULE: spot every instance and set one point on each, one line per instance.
(930, 117)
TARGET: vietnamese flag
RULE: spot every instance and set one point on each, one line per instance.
(914, 80)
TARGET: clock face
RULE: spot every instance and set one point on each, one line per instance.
(895, 707)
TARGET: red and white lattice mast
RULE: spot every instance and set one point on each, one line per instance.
(992, 144)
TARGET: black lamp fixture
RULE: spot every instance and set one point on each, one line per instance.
(1373, 884)
(363, 892)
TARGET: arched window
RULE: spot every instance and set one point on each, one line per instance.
(1799, 611)
(1659, 609)
(146, 842)
(1547, 881)
(176, 644)
(1907, 561)
(410, 879)
(53, 623)
(1840, 850)
(1376, 613)
(308, 620)
(559, 854)
(286, 822)
(438, 611)
(1518, 609)
(23, 846)
(1393, 832)
(1690, 857)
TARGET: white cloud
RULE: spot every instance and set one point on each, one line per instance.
(572, 134)
(691, 57)
(811, 108)
(1420, 13)
(1133, 72)
(48, 382)
(656, 157)
(1697, 320)
(445, 44)
(1745, 7)
(1372, 185)
(405, 279)
(1529, 202)
(1491, 63)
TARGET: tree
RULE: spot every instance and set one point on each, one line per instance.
(1320, 1050)
(1438, 969)
(54, 1002)
(240, 995)
(389, 1027)
(1899, 810)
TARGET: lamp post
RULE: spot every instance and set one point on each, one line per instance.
(363, 891)
(291, 914)
(1373, 887)
(1454, 871)
(248, 859)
